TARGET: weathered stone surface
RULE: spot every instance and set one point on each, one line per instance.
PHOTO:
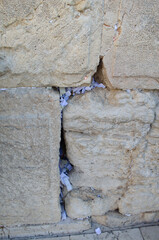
(49, 43)
(130, 234)
(130, 44)
(112, 141)
(29, 174)
(150, 233)
(62, 228)
(116, 235)
(94, 236)
(143, 192)
(114, 219)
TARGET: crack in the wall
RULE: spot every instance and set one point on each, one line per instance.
(64, 167)
(118, 31)
(132, 154)
(90, 193)
(118, 25)
(66, 93)
(101, 75)
(101, 35)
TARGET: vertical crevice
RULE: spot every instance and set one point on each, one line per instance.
(64, 167)
(101, 75)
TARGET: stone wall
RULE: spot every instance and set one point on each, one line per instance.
(111, 134)
(131, 60)
(49, 43)
(30, 138)
(112, 140)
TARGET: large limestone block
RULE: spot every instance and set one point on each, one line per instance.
(130, 44)
(67, 227)
(29, 173)
(111, 143)
(49, 43)
(144, 175)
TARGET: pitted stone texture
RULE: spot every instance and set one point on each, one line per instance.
(49, 43)
(114, 151)
(29, 173)
(130, 44)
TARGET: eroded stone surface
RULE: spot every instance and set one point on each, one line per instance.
(115, 219)
(112, 141)
(143, 192)
(130, 44)
(58, 43)
(29, 173)
(49, 43)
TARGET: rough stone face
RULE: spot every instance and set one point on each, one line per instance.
(130, 44)
(29, 156)
(58, 43)
(49, 43)
(112, 140)
(115, 219)
(143, 191)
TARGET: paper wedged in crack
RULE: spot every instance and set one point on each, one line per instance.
(29, 173)
(49, 43)
(130, 44)
(107, 137)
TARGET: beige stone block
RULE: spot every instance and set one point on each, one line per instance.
(120, 235)
(103, 236)
(29, 173)
(110, 19)
(130, 234)
(130, 44)
(142, 193)
(53, 43)
(115, 219)
(109, 142)
(150, 233)
(62, 228)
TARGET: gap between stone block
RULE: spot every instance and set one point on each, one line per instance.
(64, 165)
